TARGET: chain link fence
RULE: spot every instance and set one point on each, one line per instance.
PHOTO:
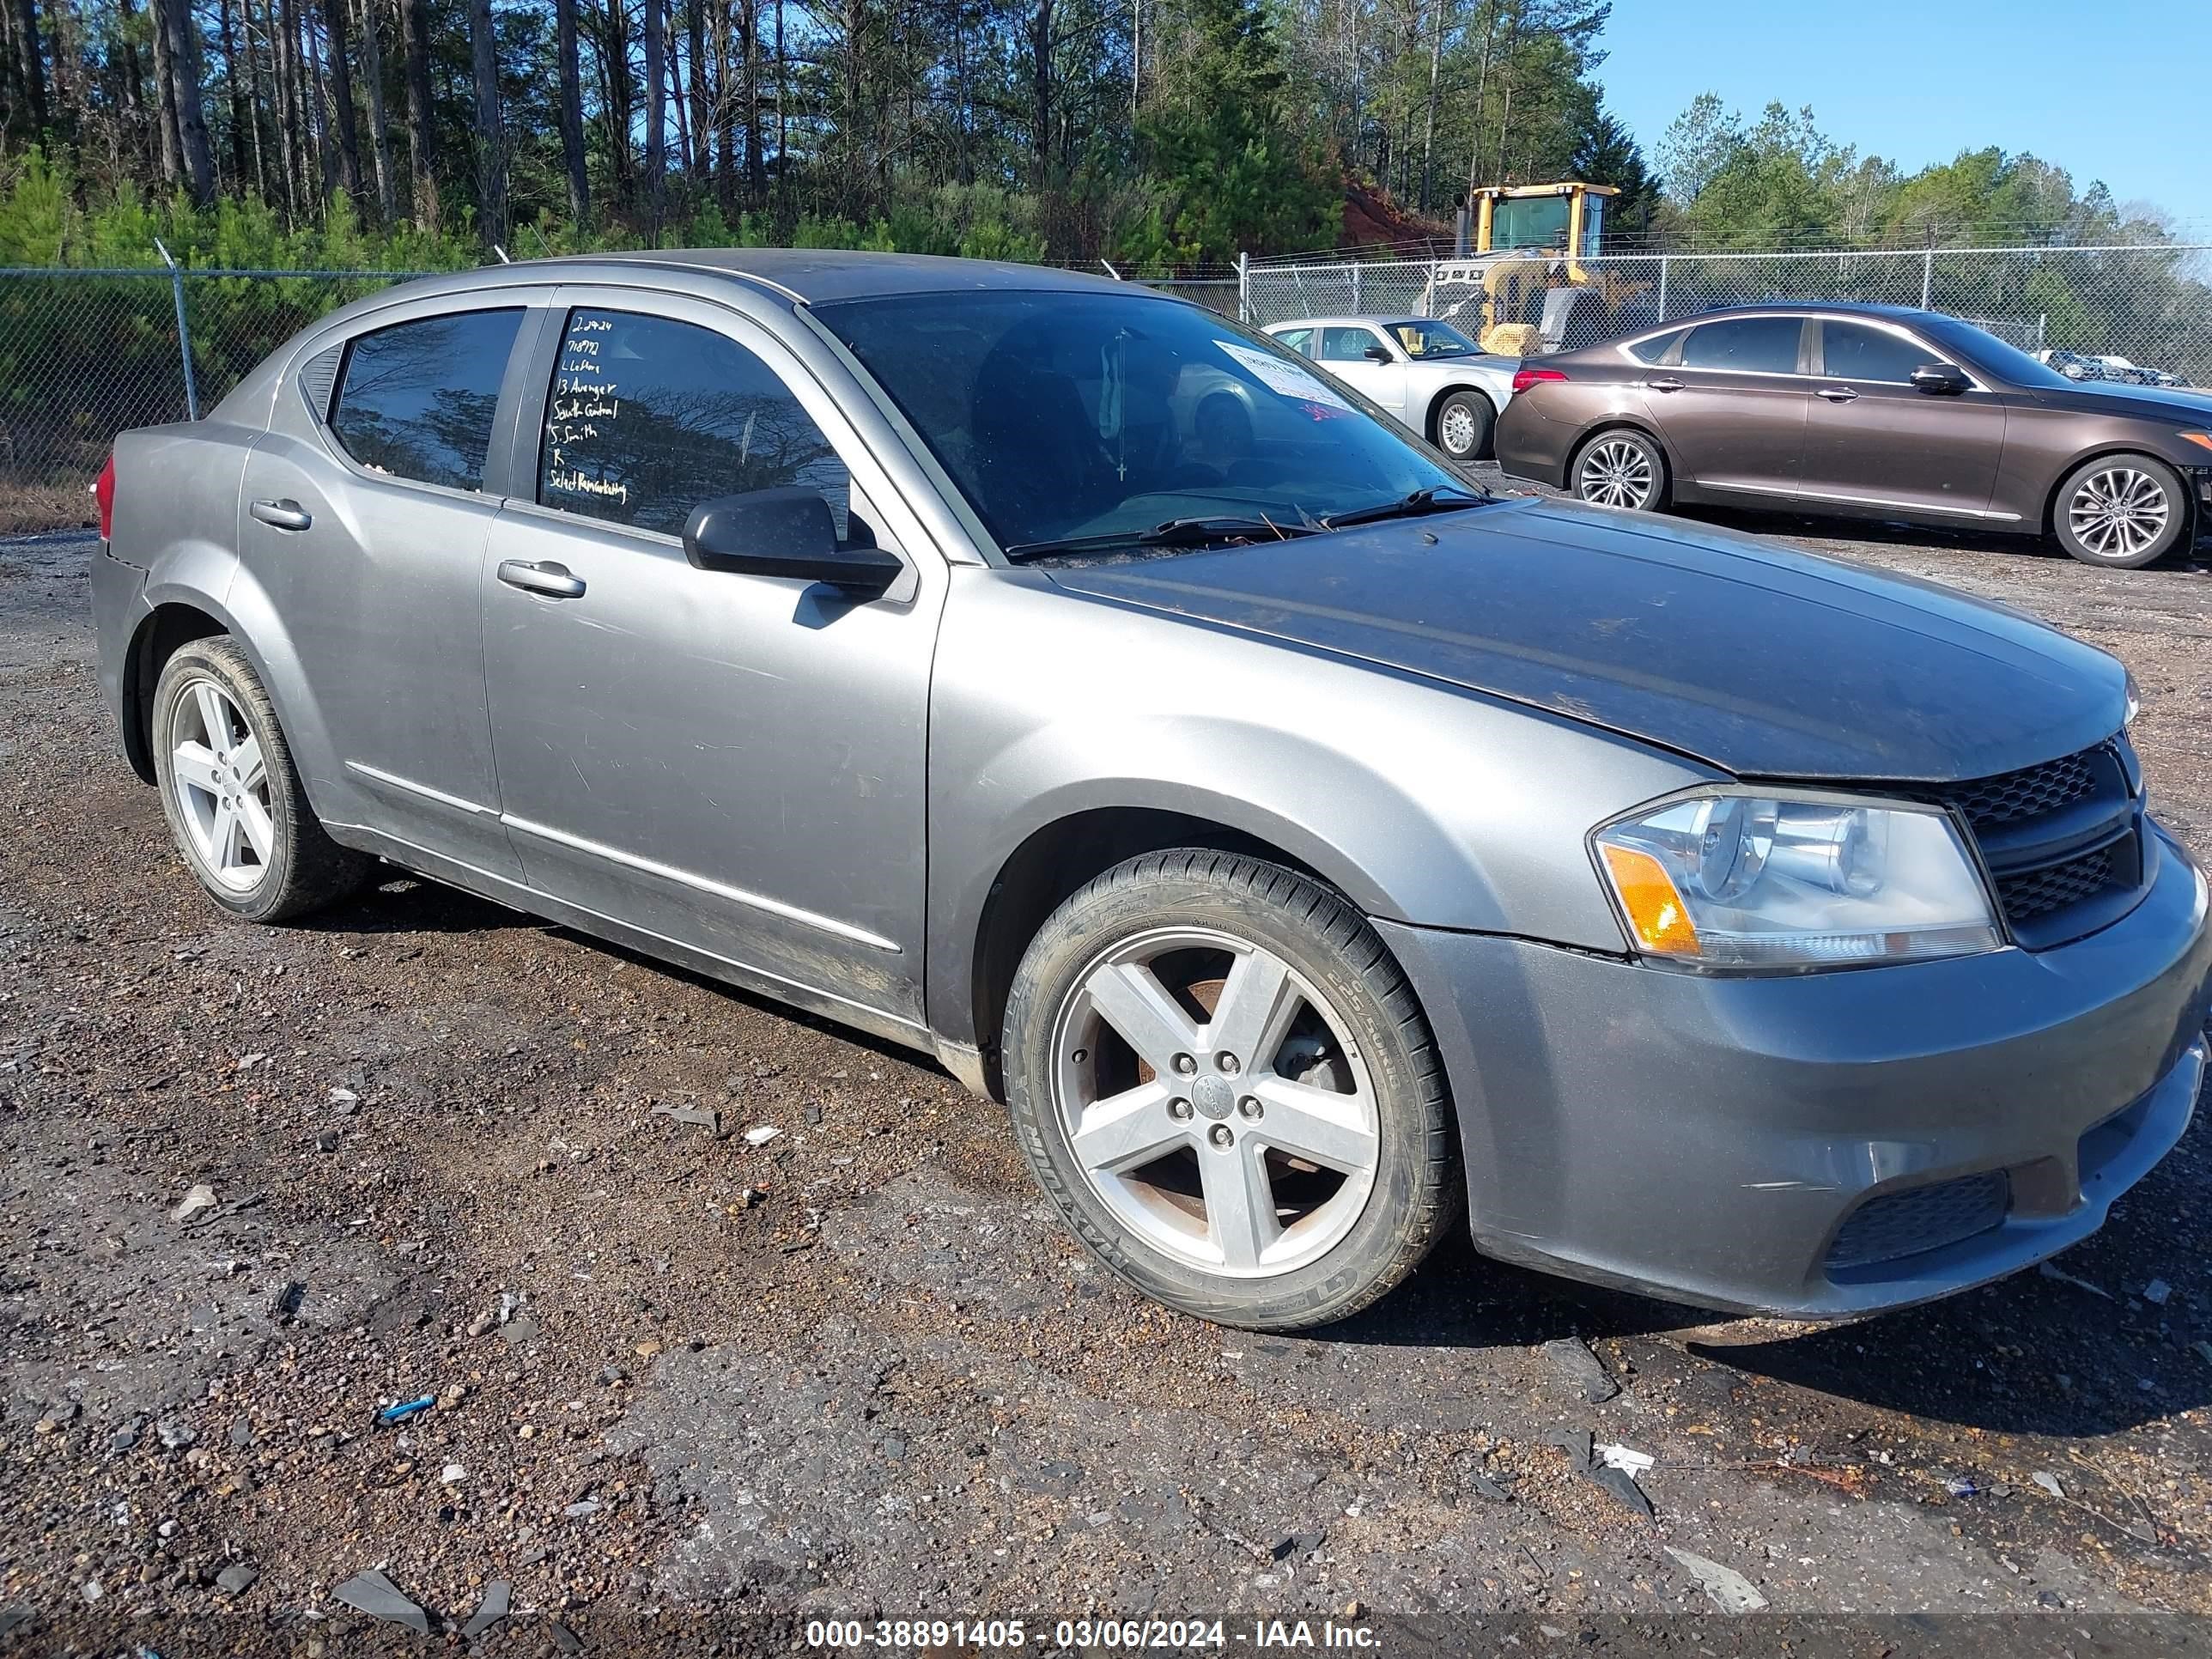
(2149, 305)
(85, 354)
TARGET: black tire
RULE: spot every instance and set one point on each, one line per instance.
(1480, 424)
(2086, 522)
(1416, 1193)
(1585, 478)
(304, 869)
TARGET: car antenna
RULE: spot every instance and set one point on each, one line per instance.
(502, 251)
(1110, 271)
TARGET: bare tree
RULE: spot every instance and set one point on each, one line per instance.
(380, 126)
(236, 95)
(192, 115)
(749, 96)
(334, 34)
(291, 119)
(702, 156)
(491, 137)
(165, 86)
(30, 63)
(572, 114)
(422, 116)
(656, 120)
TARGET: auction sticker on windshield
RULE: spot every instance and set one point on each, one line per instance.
(1285, 379)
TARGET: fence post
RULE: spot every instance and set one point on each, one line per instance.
(1243, 286)
(1663, 287)
(1927, 278)
(184, 331)
(1355, 290)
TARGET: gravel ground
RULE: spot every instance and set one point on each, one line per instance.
(857, 1369)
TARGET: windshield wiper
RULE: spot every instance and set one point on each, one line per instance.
(1438, 499)
(1175, 533)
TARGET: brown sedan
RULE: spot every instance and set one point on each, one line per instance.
(1865, 411)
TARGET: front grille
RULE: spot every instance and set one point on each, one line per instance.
(2027, 793)
(2061, 840)
(2039, 892)
(1899, 1224)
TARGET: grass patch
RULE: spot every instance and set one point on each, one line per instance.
(28, 508)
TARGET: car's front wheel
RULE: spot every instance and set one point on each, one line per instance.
(232, 795)
(1621, 468)
(2121, 510)
(1464, 421)
(1223, 1081)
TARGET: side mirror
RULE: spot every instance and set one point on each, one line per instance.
(783, 532)
(1378, 354)
(1940, 379)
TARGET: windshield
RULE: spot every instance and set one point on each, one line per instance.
(1086, 415)
(1423, 339)
(1984, 352)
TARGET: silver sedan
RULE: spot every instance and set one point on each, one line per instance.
(1431, 378)
(1307, 848)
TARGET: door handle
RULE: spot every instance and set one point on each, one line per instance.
(552, 579)
(1838, 394)
(287, 514)
(1665, 385)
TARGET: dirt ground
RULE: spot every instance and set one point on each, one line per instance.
(857, 1369)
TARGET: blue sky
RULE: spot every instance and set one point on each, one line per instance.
(2112, 91)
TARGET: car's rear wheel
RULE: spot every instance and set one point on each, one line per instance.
(1464, 421)
(232, 795)
(1621, 468)
(1223, 1083)
(2121, 510)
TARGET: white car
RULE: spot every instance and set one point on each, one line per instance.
(1437, 383)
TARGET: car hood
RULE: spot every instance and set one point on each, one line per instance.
(2183, 407)
(1758, 660)
(1485, 366)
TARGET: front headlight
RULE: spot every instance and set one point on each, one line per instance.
(1746, 881)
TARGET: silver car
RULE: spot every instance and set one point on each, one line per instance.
(1427, 375)
(1058, 679)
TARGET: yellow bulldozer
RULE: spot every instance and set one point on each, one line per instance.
(1521, 271)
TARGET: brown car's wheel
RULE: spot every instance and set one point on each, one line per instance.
(1621, 468)
(2121, 510)
(1223, 1081)
(232, 794)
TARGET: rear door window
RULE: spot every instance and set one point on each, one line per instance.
(1755, 345)
(649, 416)
(1854, 351)
(1345, 345)
(1299, 340)
(415, 400)
(1655, 349)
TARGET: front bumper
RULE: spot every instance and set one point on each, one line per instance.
(1708, 1140)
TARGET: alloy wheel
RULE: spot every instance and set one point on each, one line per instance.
(221, 786)
(1457, 430)
(1214, 1101)
(1616, 473)
(2119, 512)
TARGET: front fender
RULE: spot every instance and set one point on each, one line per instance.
(1423, 802)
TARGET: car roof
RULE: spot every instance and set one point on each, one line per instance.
(1345, 322)
(1818, 308)
(798, 275)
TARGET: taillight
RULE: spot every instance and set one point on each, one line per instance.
(104, 492)
(1525, 378)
